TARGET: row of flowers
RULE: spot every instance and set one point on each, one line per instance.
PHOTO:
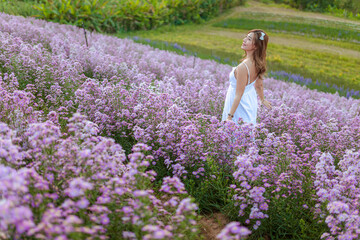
(82, 186)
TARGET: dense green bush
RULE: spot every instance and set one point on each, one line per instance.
(92, 13)
(18, 7)
(306, 4)
(345, 7)
(122, 16)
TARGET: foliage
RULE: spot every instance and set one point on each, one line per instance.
(210, 190)
(17, 7)
(343, 12)
(91, 13)
(123, 16)
(346, 8)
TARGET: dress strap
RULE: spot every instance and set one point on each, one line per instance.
(248, 73)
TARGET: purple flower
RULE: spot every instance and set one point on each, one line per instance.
(233, 230)
(82, 203)
(77, 187)
(172, 185)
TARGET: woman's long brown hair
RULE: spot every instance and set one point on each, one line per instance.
(259, 56)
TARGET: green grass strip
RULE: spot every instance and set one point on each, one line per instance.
(328, 42)
(290, 27)
(300, 19)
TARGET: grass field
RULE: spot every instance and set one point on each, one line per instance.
(323, 48)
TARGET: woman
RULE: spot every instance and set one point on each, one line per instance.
(246, 80)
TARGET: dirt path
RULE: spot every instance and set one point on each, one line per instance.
(289, 42)
(211, 226)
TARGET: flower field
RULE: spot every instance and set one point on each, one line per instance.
(119, 140)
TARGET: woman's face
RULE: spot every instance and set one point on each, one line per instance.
(248, 42)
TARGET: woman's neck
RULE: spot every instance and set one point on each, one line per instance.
(249, 55)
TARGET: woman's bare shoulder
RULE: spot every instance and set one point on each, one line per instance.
(241, 66)
(240, 71)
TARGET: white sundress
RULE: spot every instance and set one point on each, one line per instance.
(247, 109)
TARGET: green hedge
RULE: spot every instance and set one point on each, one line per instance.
(128, 15)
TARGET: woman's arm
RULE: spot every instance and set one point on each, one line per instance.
(241, 79)
(260, 88)
(260, 91)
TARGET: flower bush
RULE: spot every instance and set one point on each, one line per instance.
(83, 186)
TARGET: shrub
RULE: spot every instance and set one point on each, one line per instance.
(114, 16)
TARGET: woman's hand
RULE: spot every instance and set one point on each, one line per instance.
(266, 103)
(229, 119)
